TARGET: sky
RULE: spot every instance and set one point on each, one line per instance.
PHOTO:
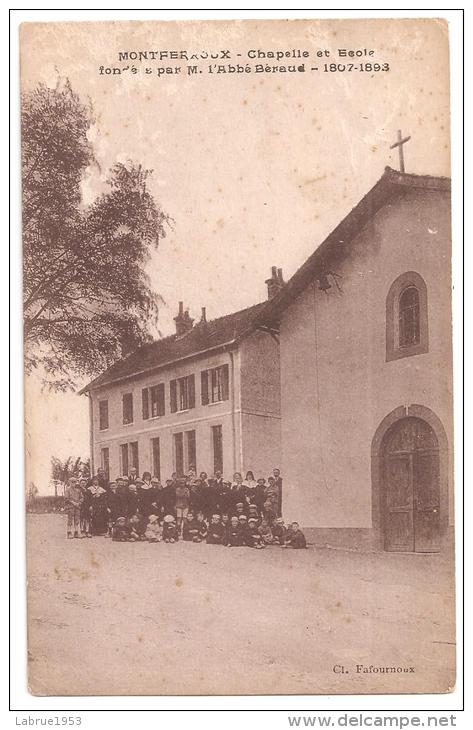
(255, 168)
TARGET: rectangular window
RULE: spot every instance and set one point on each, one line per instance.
(103, 415)
(173, 393)
(124, 459)
(179, 453)
(134, 461)
(153, 401)
(156, 457)
(127, 408)
(145, 404)
(217, 443)
(157, 400)
(191, 450)
(105, 461)
(214, 385)
(182, 393)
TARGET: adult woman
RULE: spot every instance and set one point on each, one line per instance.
(250, 487)
(98, 508)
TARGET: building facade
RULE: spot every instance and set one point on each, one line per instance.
(207, 397)
(366, 373)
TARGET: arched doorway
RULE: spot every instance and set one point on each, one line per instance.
(410, 498)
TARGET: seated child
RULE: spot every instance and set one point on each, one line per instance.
(279, 531)
(190, 529)
(120, 530)
(265, 531)
(225, 520)
(202, 525)
(295, 538)
(153, 530)
(233, 538)
(137, 527)
(216, 532)
(245, 536)
(170, 531)
(256, 540)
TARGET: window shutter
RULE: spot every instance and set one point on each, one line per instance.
(224, 376)
(161, 401)
(173, 389)
(191, 391)
(204, 386)
(145, 402)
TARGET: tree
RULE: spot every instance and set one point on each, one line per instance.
(87, 297)
(73, 466)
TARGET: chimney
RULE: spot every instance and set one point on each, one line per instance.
(203, 318)
(275, 283)
(183, 321)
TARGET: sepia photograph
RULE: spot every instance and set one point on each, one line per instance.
(237, 298)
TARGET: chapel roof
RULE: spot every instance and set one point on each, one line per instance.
(386, 190)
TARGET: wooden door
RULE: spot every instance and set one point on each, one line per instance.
(399, 522)
(426, 501)
(411, 500)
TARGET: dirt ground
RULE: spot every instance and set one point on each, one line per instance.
(139, 618)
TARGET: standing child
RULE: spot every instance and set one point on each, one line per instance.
(73, 499)
(85, 508)
(182, 502)
(113, 506)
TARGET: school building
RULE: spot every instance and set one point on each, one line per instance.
(206, 396)
(366, 373)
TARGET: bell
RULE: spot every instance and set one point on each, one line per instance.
(324, 283)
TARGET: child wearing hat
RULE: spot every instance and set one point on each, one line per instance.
(240, 510)
(170, 531)
(253, 513)
(190, 529)
(295, 538)
(233, 538)
(216, 532)
(153, 530)
(73, 498)
(121, 532)
(256, 540)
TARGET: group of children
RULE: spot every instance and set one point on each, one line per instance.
(194, 509)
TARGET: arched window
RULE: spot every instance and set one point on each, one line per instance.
(409, 328)
(407, 317)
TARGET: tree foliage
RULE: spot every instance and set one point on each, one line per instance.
(73, 466)
(87, 297)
